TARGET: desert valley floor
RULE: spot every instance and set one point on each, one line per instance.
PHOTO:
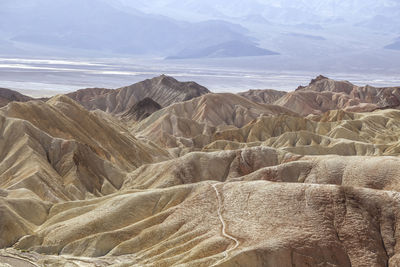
(167, 173)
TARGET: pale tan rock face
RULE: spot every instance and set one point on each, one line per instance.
(346, 134)
(164, 90)
(274, 224)
(324, 94)
(267, 96)
(217, 180)
(60, 151)
(199, 166)
(191, 123)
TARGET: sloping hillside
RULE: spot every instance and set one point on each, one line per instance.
(216, 180)
(324, 94)
(191, 123)
(163, 89)
(267, 96)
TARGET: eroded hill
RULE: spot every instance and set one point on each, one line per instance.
(213, 180)
(164, 90)
(324, 94)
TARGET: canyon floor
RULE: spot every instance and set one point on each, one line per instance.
(167, 173)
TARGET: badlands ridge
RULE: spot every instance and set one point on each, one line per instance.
(166, 173)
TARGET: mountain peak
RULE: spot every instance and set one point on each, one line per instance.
(324, 84)
(318, 78)
(313, 82)
(172, 83)
(164, 90)
(165, 80)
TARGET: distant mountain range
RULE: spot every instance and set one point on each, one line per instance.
(97, 26)
(395, 45)
(300, 34)
(301, 29)
(277, 11)
(227, 49)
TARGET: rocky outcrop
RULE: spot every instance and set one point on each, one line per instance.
(192, 123)
(142, 109)
(59, 151)
(7, 96)
(324, 94)
(164, 90)
(86, 97)
(267, 96)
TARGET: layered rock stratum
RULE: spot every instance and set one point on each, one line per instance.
(263, 178)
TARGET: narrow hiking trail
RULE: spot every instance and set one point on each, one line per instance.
(224, 233)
